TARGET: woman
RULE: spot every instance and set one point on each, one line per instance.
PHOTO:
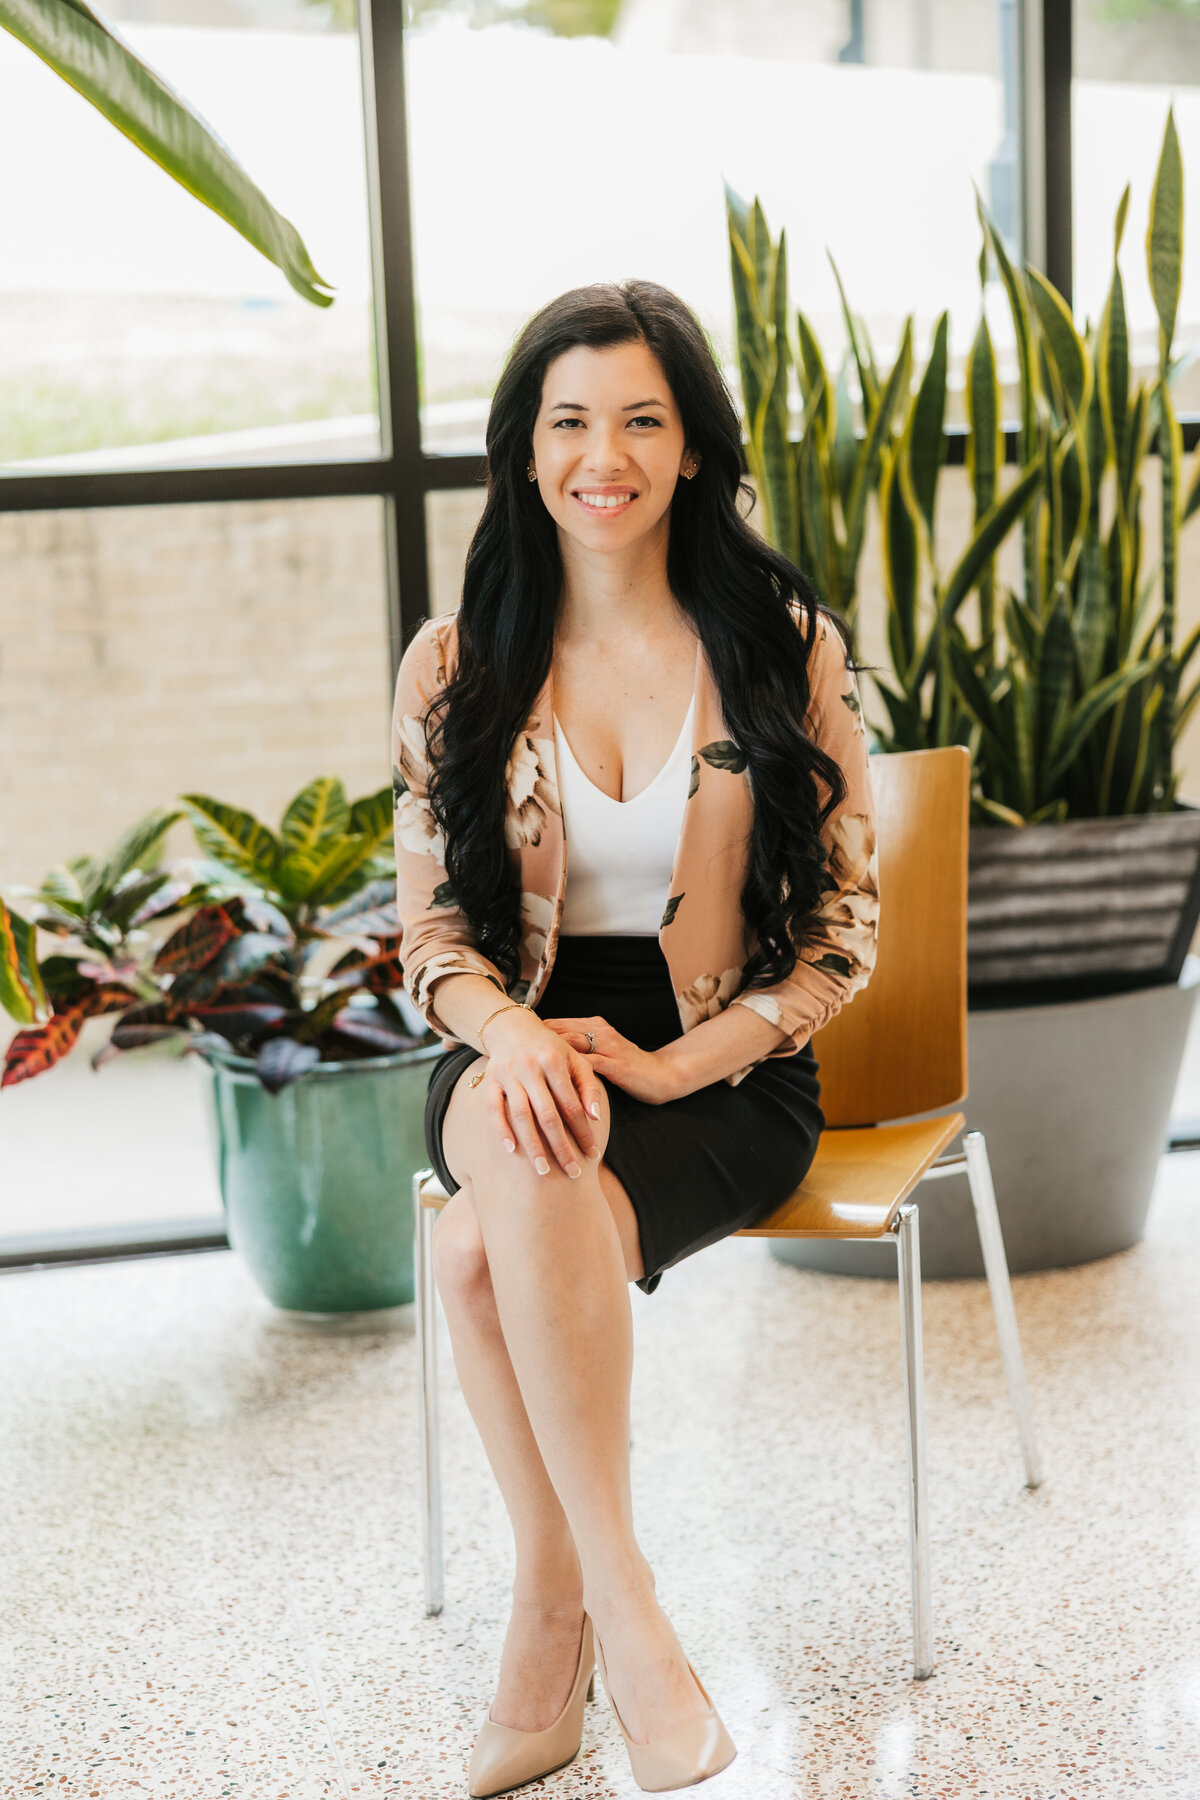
(636, 872)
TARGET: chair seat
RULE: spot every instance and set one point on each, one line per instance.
(859, 1179)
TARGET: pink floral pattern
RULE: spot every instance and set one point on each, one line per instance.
(704, 929)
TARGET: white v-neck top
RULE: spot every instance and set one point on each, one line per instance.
(620, 853)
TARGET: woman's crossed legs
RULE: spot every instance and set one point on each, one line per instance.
(533, 1271)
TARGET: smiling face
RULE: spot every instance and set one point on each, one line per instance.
(608, 444)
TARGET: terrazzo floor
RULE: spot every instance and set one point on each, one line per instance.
(211, 1577)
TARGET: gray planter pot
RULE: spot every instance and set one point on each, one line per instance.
(1074, 1101)
(1087, 907)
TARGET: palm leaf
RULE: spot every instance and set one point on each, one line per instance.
(89, 55)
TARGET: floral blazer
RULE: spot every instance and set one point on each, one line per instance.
(704, 934)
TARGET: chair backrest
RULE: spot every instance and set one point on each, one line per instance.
(899, 1046)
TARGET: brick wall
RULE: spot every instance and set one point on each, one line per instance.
(237, 650)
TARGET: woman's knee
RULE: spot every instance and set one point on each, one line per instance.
(460, 1264)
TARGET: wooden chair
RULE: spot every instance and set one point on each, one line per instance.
(899, 1048)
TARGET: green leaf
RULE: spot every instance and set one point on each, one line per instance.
(904, 714)
(878, 437)
(372, 816)
(1018, 301)
(1003, 815)
(21, 991)
(672, 907)
(985, 442)
(1055, 674)
(1184, 710)
(814, 378)
(1054, 812)
(927, 438)
(989, 534)
(317, 816)
(1090, 615)
(1064, 347)
(1164, 236)
(844, 443)
(1188, 649)
(88, 54)
(138, 848)
(900, 564)
(1023, 627)
(1193, 493)
(868, 385)
(233, 838)
(341, 871)
(1089, 710)
(972, 692)
(1142, 772)
(133, 895)
(1022, 719)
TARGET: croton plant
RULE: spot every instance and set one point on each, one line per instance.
(280, 945)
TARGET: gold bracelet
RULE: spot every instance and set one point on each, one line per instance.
(508, 1006)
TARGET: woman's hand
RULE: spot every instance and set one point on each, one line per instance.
(540, 1093)
(646, 1074)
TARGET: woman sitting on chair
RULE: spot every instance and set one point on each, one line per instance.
(633, 806)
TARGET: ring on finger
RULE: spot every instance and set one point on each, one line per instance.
(591, 1038)
(476, 1079)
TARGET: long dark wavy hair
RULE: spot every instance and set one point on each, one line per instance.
(739, 594)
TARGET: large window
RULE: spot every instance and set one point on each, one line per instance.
(1132, 60)
(135, 327)
(542, 161)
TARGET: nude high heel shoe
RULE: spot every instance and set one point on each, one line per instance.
(505, 1758)
(687, 1754)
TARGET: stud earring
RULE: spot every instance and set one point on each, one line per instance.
(531, 472)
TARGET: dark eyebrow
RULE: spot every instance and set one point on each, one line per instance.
(577, 406)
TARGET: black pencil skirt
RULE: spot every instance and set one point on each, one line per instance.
(697, 1168)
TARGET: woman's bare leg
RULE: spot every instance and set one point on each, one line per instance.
(557, 1270)
(538, 1661)
(537, 1664)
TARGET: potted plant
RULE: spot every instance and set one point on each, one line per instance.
(1084, 861)
(274, 956)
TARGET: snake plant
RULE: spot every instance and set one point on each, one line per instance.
(1068, 694)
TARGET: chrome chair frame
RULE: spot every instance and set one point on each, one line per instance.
(972, 1161)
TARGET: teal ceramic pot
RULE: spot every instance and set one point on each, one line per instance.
(317, 1179)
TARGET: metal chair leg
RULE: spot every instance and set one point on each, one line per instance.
(983, 1195)
(424, 1218)
(908, 1249)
